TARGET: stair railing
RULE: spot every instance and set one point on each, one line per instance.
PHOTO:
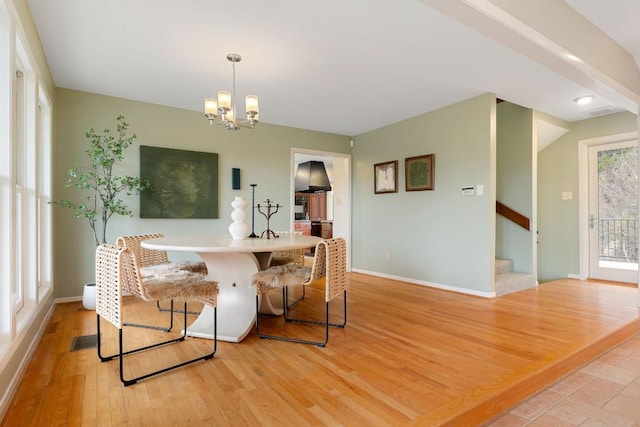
(513, 216)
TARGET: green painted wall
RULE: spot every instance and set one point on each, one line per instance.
(263, 156)
(514, 179)
(437, 226)
(440, 236)
(559, 246)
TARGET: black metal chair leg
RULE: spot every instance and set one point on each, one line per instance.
(299, 300)
(326, 323)
(160, 308)
(313, 322)
(158, 328)
(121, 354)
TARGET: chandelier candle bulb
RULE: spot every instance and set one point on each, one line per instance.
(224, 100)
(252, 104)
(211, 109)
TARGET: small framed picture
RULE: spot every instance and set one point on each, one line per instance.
(418, 172)
(385, 177)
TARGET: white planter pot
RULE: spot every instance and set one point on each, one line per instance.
(89, 296)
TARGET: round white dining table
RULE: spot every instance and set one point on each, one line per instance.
(232, 263)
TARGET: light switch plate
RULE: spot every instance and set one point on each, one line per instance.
(567, 195)
(467, 191)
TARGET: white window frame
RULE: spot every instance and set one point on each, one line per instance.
(7, 70)
(18, 165)
(26, 227)
(44, 223)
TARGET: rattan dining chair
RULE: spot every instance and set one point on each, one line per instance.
(329, 266)
(289, 256)
(118, 272)
(153, 263)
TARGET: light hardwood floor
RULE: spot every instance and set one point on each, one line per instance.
(410, 355)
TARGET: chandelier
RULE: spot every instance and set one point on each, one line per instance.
(226, 105)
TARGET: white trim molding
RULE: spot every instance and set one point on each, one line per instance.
(428, 284)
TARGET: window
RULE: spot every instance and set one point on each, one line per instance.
(44, 213)
(25, 187)
(18, 166)
(6, 199)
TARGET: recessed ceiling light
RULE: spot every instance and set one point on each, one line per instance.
(583, 100)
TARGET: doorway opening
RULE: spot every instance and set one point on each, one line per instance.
(324, 213)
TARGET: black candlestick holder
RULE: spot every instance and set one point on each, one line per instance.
(253, 210)
(269, 205)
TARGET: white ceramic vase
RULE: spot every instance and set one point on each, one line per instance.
(89, 296)
(239, 229)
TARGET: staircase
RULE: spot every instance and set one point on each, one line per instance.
(507, 281)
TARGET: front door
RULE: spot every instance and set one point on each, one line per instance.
(613, 211)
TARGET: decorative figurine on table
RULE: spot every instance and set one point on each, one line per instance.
(269, 205)
(253, 210)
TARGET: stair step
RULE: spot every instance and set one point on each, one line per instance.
(503, 265)
(509, 282)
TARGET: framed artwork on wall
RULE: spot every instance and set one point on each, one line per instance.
(418, 172)
(184, 183)
(385, 177)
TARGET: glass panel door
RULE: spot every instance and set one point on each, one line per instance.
(613, 212)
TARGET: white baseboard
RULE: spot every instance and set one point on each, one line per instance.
(67, 299)
(574, 276)
(429, 284)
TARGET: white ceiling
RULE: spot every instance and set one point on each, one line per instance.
(345, 67)
(620, 19)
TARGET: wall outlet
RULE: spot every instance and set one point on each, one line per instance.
(567, 195)
(387, 256)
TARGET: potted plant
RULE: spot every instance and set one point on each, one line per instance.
(100, 187)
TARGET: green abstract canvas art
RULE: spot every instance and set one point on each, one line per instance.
(184, 183)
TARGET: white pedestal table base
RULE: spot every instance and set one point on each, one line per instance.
(236, 296)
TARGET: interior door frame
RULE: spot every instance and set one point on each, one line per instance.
(341, 191)
(583, 192)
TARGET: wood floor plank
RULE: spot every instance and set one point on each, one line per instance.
(409, 355)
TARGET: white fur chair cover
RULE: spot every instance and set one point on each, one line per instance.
(180, 285)
(172, 267)
(280, 276)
